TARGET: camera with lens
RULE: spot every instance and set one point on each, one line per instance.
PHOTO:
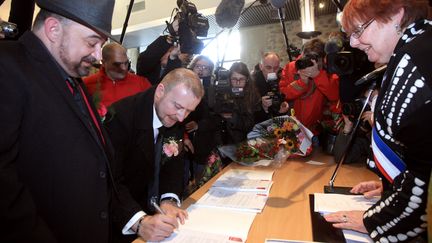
(276, 96)
(191, 25)
(10, 30)
(306, 61)
(222, 96)
(353, 110)
(342, 59)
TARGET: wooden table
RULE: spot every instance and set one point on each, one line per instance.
(287, 214)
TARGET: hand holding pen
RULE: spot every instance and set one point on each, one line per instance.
(170, 209)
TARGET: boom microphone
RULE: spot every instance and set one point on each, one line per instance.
(228, 12)
(278, 3)
(372, 75)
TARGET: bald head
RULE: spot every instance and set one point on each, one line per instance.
(115, 61)
(186, 77)
(177, 95)
(270, 63)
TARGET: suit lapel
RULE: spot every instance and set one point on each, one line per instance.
(54, 78)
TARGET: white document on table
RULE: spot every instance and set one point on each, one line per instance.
(331, 202)
(286, 241)
(249, 174)
(246, 185)
(243, 201)
(213, 225)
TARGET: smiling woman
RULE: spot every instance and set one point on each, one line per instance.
(396, 33)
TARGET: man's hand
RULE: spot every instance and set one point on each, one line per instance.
(157, 227)
(368, 188)
(171, 209)
(188, 145)
(191, 126)
(284, 107)
(266, 102)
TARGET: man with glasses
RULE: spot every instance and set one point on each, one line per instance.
(114, 81)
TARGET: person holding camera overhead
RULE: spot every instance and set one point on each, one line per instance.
(396, 33)
(267, 82)
(308, 85)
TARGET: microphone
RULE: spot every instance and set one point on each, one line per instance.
(371, 76)
(334, 45)
(278, 3)
(228, 12)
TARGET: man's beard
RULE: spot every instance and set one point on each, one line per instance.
(76, 68)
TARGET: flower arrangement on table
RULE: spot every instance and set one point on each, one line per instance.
(275, 139)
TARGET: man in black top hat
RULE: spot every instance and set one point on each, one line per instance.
(55, 176)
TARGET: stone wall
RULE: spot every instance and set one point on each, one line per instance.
(257, 40)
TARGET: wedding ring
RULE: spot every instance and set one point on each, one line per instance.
(344, 218)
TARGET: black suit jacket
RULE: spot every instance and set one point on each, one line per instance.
(54, 174)
(131, 132)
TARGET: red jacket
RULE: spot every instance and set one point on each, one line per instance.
(112, 91)
(309, 99)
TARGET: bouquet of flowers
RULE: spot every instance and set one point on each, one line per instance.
(275, 139)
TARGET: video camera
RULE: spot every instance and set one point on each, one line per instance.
(191, 24)
(10, 30)
(342, 59)
(222, 97)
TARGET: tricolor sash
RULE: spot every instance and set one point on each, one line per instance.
(387, 161)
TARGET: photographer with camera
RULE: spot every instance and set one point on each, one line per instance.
(360, 149)
(267, 82)
(308, 85)
(237, 107)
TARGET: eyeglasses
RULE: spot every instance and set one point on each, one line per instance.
(360, 29)
(240, 80)
(202, 67)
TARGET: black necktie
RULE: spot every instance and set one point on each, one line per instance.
(154, 187)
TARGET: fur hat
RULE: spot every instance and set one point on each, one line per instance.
(95, 14)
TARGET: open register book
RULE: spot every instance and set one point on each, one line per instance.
(213, 225)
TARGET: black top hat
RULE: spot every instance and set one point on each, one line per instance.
(95, 14)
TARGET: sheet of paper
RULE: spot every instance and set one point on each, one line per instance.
(221, 224)
(236, 184)
(331, 202)
(286, 241)
(244, 201)
(354, 236)
(192, 236)
(249, 174)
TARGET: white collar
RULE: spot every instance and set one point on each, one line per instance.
(156, 122)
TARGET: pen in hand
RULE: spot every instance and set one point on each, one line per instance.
(158, 209)
(156, 206)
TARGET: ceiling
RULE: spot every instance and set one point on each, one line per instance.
(255, 14)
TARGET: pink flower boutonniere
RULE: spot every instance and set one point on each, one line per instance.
(172, 147)
(102, 110)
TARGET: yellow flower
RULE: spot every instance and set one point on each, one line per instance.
(278, 132)
(289, 144)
